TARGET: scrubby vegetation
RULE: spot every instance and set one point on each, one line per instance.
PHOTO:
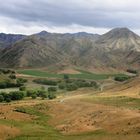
(19, 95)
(46, 82)
(9, 83)
(132, 71)
(11, 96)
(67, 84)
(121, 78)
(7, 71)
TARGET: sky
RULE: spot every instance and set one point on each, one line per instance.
(63, 16)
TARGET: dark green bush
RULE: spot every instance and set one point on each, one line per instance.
(71, 87)
(66, 77)
(21, 81)
(1, 98)
(22, 88)
(52, 89)
(16, 95)
(121, 78)
(62, 86)
(45, 82)
(132, 71)
(31, 92)
(51, 96)
(12, 76)
(34, 96)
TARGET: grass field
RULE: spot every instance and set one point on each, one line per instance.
(82, 75)
(38, 128)
(118, 101)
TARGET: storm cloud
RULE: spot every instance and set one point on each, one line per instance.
(97, 16)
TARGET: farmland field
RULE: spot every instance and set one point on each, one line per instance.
(82, 75)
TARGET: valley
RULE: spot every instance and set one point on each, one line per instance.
(85, 113)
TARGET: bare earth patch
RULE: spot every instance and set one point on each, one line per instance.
(8, 132)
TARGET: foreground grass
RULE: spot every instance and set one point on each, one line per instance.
(119, 101)
(38, 128)
(82, 75)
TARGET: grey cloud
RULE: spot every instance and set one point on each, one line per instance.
(95, 13)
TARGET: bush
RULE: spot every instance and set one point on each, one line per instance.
(3, 85)
(66, 77)
(132, 71)
(7, 84)
(51, 96)
(8, 100)
(45, 82)
(42, 93)
(71, 87)
(31, 92)
(1, 98)
(12, 76)
(62, 86)
(121, 78)
(52, 89)
(21, 81)
(34, 96)
(16, 95)
(22, 88)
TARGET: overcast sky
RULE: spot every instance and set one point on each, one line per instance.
(94, 16)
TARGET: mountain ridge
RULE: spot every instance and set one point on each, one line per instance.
(118, 48)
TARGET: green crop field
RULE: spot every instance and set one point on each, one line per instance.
(82, 75)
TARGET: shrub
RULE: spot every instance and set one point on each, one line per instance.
(34, 96)
(8, 100)
(9, 84)
(12, 76)
(52, 89)
(121, 78)
(22, 88)
(16, 95)
(132, 71)
(62, 86)
(66, 77)
(42, 93)
(3, 85)
(71, 87)
(51, 96)
(21, 81)
(45, 82)
(1, 98)
(31, 92)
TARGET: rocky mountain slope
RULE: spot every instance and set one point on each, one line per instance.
(119, 49)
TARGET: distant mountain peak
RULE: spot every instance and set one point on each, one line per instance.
(120, 33)
(42, 33)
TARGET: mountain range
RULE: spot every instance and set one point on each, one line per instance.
(117, 49)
